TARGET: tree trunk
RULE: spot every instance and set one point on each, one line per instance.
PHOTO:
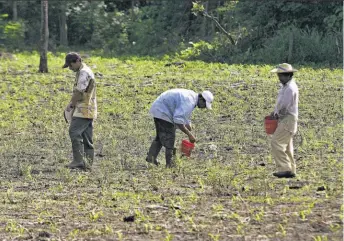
(132, 10)
(14, 11)
(204, 25)
(63, 25)
(43, 63)
(291, 43)
(218, 25)
(213, 27)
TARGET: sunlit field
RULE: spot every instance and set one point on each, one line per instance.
(224, 191)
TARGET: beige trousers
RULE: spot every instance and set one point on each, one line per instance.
(282, 144)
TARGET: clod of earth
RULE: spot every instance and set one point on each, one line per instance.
(129, 218)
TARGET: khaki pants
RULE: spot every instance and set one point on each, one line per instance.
(282, 144)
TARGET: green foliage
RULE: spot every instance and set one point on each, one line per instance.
(160, 28)
(260, 29)
(11, 33)
(197, 8)
(309, 46)
(200, 50)
(14, 31)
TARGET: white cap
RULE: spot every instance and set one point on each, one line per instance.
(209, 97)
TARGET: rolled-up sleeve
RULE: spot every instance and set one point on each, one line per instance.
(83, 81)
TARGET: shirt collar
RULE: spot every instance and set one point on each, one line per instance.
(288, 83)
(81, 66)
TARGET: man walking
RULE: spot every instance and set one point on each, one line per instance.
(84, 107)
(173, 109)
(286, 111)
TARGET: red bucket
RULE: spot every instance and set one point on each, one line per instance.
(187, 147)
(270, 125)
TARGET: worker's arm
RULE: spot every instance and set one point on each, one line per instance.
(188, 126)
(82, 84)
(77, 96)
(284, 103)
(184, 129)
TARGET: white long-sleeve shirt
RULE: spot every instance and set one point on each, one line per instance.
(175, 106)
(287, 100)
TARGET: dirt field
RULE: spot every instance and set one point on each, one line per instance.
(225, 191)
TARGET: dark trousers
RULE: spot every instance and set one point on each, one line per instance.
(81, 135)
(165, 137)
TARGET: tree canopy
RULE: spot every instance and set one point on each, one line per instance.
(261, 31)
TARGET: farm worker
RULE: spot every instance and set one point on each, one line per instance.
(84, 106)
(286, 111)
(170, 110)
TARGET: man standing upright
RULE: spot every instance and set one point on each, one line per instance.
(84, 106)
(286, 111)
(173, 109)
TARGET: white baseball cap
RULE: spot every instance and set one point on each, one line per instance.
(209, 97)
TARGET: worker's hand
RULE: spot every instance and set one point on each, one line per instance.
(274, 115)
(192, 139)
(69, 107)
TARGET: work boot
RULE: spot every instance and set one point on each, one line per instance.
(154, 152)
(285, 174)
(78, 156)
(74, 166)
(169, 155)
(89, 157)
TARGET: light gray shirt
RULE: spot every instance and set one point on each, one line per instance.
(175, 106)
(287, 100)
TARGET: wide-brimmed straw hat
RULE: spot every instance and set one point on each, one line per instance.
(283, 68)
